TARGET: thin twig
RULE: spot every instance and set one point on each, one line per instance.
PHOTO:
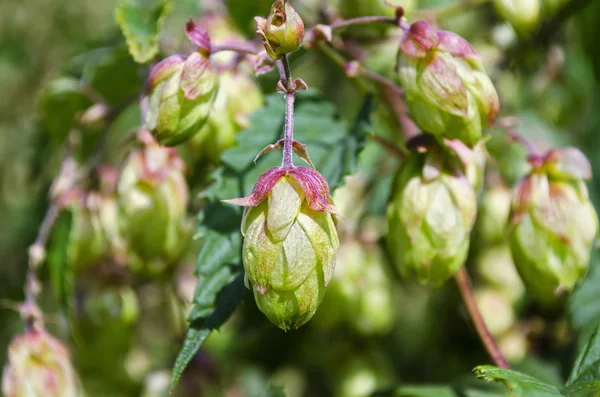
(466, 290)
(233, 47)
(363, 21)
(290, 97)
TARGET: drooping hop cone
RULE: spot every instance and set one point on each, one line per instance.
(181, 91)
(153, 197)
(447, 90)
(38, 366)
(553, 225)
(430, 216)
(290, 243)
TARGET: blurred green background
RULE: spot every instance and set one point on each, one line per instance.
(373, 332)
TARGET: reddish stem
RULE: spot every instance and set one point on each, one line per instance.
(466, 290)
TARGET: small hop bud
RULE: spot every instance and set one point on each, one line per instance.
(290, 243)
(553, 224)
(38, 365)
(283, 30)
(430, 217)
(522, 15)
(493, 215)
(181, 91)
(153, 197)
(447, 90)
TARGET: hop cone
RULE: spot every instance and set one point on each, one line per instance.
(430, 217)
(553, 225)
(447, 90)
(38, 366)
(290, 244)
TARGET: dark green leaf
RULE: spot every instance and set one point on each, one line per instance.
(60, 103)
(587, 365)
(61, 276)
(141, 21)
(519, 384)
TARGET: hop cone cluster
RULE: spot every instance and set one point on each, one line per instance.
(290, 243)
(447, 90)
(553, 224)
(430, 217)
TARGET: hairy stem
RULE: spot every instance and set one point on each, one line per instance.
(466, 290)
(290, 97)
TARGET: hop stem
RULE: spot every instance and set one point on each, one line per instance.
(466, 290)
(290, 97)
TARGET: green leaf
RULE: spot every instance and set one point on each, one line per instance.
(584, 303)
(61, 276)
(59, 105)
(141, 21)
(519, 384)
(333, 149)
(583, 389)
(587, 365)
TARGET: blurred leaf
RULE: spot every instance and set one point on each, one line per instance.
(519, 384)
(583, 389)
(243, 12)
(584, 303)
(59, 104)
(113, 74)
(425, 391)
(275, 391)
(333, 149)
(587, 365)
(61, 276)
(141, 21)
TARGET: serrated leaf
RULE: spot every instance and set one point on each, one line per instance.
(587, 365)
(518, 384)
(333, 148)
(61, 276)
(140, 22)
(59, 104)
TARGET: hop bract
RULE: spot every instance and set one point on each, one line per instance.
(181, 90)
(283, 30)
(447, 90)
(153, 198)
(290, 243)
(430, 216)
(38, 365)
(553, 224)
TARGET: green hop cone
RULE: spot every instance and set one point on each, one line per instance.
(283, 30)
(447, 90)
(553, 224)
(290, 243)
(181, 91)
(38, 366)
(362, 285)
(493, 215)
(153, 197)
(228, 116)
(94, 234)
(430, 217)
(522, 15)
